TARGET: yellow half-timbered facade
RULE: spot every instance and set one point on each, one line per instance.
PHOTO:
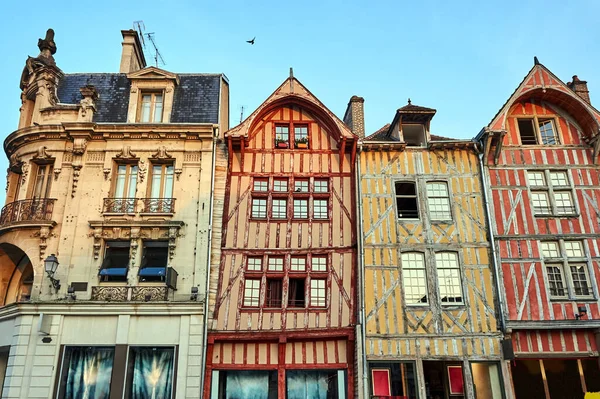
(430, 321)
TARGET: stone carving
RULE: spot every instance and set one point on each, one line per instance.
(79, 145)
(43, 234)
(103, 293)
(42, 154)
(178, 172)
(24, 173)
(149, 293)
(8, 180)
(173, 234)
(135, 235)
(76, 173)
(15, 163)
(97, 234)
(142, 169)
(88, 103)
(47, 48)
(57, 172)
(161, 154)
(126, 153)
(106, 172)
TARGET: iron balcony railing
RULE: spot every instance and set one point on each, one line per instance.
(139, 205)
(28, 210)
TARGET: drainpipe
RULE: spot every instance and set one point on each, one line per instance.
(488, 217)
(361, 276)
(209, 252)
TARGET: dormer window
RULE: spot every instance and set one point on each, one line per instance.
(414, 134)
(534, 131)
(151, 107)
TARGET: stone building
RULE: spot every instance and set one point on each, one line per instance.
(104, 238)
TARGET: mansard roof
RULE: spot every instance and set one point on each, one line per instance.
(196, 97)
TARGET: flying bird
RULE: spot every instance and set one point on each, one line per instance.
(251, 41)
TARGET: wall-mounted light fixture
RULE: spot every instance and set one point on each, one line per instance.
(51, 264)
(582, 312)
(194, 294)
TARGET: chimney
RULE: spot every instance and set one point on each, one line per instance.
(354, 117)
(132, 56)
(580, 88)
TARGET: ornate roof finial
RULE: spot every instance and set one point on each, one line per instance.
(409, 102)
(536, 61)
(291, 79)
(47, 43)
(291, 73)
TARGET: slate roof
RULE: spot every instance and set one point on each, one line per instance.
(195, 100)
(382, 135)
(410, 108)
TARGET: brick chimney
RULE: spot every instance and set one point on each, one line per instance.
(354, 117)
(580, 88)
(132, 56)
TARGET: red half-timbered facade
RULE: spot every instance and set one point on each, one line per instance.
(541, 156)
(284, 293)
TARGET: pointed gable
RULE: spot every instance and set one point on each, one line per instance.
(292, 92)
(541, 84)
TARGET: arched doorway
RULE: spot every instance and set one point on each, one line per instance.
(16, 275)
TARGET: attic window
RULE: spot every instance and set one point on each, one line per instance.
(151, 107)
(414, 134)
(538, 131)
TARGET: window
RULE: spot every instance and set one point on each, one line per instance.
(150, 372)
(155, 258)
(116, 261)
(566, 269)
(261, 185)
(279, 209)
(124, 188)
(320, 209)
(305, 287)
(280, 185)
(43, 181)
(151, 108)
(301, 185)
(537, 131)
(438, 201)
(282, 136)
(321, 186)
(414, 134)
(259, 208)
(251, 292)
(551, 193)
(300, 208)
(406, 200)
(414, 278)
(86, 369)
(162, 181)
(449, 282)
(301, 136)
(397, 379)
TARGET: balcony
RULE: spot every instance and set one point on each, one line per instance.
(139, 205)
(37, 211)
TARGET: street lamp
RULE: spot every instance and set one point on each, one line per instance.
(51, 264)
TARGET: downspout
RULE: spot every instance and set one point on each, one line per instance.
(361, 276)
(484, 186)
(209, 253)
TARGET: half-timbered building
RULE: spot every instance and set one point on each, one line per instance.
(541, 155)
(282, 291)
(430, 320)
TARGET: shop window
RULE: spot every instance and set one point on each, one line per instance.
(155, 257)
(537, 131)
(487, 382)
(443, 378)
(323, 384)
(150, 372)
(86, 372)
(438, 201)
(397, 380)
(414, 278)
(449, 281)
(256, 384)
(406, 200)
(116, 261)
(151, 107)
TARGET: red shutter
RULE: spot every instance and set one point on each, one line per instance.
(381, 382)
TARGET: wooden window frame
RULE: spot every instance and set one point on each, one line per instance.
(438, 267)
(447, 197)
(153, 94)
(128, 175)
(565, 262)
(285, 275)
(416, 197)
(291, 143)
(46, 187)
(551, 190)
(163, 176)
(424, 278)
(536, 120)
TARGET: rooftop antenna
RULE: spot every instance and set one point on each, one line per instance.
(157, 56)
(140, 27)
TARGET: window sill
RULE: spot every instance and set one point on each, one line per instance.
(288, 310)
(118, 213)
(418, 305)
(549, 215)
(587, 299)
(157, 214)
(453, 305)
(448, 221)
(413, 220)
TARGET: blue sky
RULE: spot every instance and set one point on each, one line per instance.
(462, 58)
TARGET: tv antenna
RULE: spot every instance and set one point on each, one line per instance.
(157, 56)
(140, 27)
